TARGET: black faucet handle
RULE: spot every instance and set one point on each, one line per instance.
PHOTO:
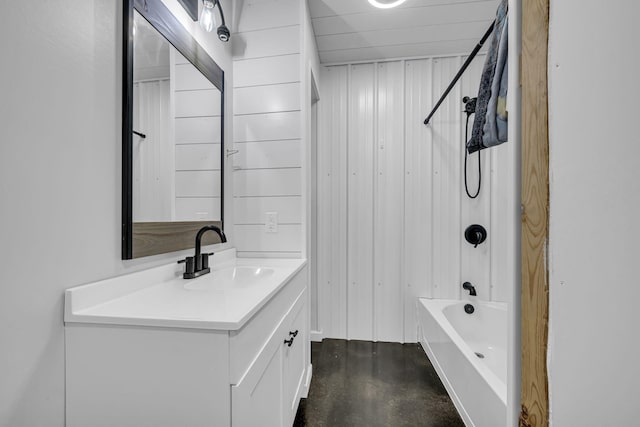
(189, 262)
(205, 260)
(475, 234)
(479, 238)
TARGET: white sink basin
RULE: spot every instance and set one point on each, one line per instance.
(235, 277)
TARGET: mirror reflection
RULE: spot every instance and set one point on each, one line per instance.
(176, 134)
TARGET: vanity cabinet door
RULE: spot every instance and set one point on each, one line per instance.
(268, 393)
(294, 359)
(257, 399)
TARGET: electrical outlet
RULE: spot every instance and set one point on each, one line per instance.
(271, 222)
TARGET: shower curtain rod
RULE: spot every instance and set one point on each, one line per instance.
(464, 67)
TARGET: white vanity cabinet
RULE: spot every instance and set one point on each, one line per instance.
(295, 362)
(268, 392)
(123, 373)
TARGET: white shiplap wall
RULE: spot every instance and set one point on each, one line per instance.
(391, 198)
(268, 128)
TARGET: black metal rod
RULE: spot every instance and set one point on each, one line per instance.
(462, 70)
(140, 134)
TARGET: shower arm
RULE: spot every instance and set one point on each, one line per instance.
(462, 70)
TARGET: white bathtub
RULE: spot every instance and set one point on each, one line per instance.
(451, 338)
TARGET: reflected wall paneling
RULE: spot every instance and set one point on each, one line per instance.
(153, 175)
(395, 189)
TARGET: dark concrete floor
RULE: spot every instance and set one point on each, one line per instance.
(361, 383)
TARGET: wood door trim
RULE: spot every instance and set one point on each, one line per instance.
(535, 215)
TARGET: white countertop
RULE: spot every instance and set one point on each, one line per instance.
(225, 299)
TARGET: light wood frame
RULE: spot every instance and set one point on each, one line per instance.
(152, 238)
(535, 214)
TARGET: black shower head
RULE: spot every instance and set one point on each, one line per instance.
(469, 105)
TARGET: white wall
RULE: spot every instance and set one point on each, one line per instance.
(391, 195)
(268, 128)
(595, 205)
(60, 184)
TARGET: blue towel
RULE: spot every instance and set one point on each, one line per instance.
(495, 125)
(487, 79)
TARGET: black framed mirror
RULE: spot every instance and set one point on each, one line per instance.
(172, 133)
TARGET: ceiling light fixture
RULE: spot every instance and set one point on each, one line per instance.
(386, 4)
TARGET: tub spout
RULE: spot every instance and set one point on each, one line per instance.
(469, 287)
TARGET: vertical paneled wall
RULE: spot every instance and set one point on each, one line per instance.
(388, 203)
(153, 160)
(268, 128)
(360, 206)
(391, 198)
(332, 203)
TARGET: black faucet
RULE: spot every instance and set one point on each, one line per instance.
(469, 287)
(198, 265)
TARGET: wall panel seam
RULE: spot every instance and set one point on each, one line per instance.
(265, 29)
(265, 57)
(267, 84)
(374, 198)
(263, 113)
(285, 168)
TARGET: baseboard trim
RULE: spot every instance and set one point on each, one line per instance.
(307, 382)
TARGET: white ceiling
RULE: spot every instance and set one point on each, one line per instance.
(353, 30)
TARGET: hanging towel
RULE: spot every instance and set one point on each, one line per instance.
(486, 80)
(494, 131)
